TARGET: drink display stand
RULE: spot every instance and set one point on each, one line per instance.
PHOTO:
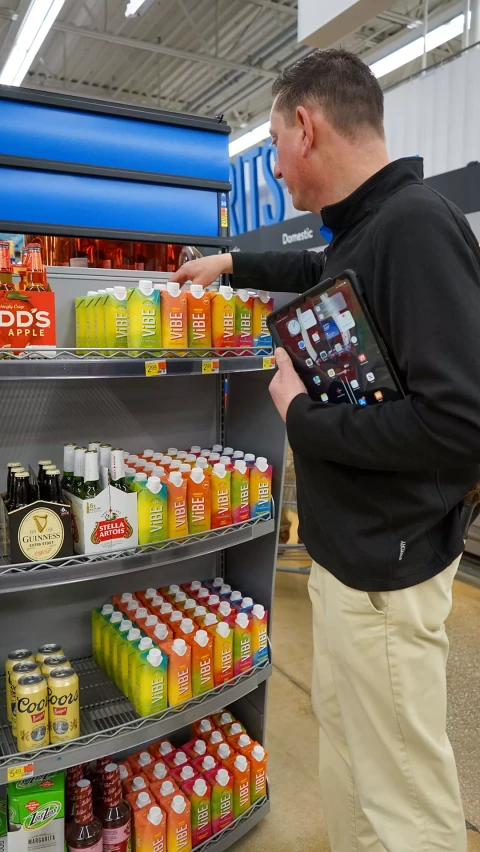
(48, 401)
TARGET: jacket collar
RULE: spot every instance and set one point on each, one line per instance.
(368, 196)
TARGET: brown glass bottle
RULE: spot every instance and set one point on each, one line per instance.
(116, 813)
(98, 783)
(73, 775)
(36, 276)
(6, 280)
(85, 832)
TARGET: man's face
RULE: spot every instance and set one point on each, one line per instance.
(290, 163)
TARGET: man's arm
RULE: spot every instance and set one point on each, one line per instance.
(427, 302)
(290, 272)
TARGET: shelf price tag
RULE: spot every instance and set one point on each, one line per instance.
(155, 368)
(210, 366)
(269, 363)
(18, 773)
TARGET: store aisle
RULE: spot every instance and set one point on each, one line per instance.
(296, 821)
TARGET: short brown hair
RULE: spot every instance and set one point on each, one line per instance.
(340, 83)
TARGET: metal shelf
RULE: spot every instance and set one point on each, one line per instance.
(109, 723)
(90, 364)
(76, 569)
(237, 829)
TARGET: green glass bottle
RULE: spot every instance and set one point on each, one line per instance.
(91, 481)
(78, 470)
(117, 470)
(68, 457)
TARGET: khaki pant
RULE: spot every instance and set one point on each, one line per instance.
(387, 771)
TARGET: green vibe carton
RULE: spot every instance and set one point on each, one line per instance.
(36, 813)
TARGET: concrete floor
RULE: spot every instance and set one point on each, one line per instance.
(296, 821)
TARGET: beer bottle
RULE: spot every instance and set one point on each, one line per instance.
(98, 782)
(91, 483)
(36, 280)
(11, 468)
(53, 488)
(117, 471)
(68, 455)
(11, 491)
(41, 472)
(43, 488)
(115, 813)
(78, 470)
(85, 831)
(21, 496)
(6, 280)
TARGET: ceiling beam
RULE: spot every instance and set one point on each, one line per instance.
(275, 7)
(136, 44)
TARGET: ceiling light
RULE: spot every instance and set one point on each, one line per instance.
(392, 62)
(137, 7)
(33, 31)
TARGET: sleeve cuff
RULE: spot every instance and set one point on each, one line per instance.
(296, 421)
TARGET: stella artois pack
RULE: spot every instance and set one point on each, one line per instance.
(104, 523)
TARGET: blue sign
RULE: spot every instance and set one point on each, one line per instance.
(271, 213)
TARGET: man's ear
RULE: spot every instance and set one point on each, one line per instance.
(305, 123)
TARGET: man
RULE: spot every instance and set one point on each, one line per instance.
(379, 488)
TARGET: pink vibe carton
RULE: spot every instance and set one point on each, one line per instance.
(195, 748)
(205, 764)
(221, 781)
(242, 642)
(244, 320)
(199, 792)
(240, 488)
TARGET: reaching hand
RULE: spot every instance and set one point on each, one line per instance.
(205, 270)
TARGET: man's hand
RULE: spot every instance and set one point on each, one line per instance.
(205, 270)
(286, 384)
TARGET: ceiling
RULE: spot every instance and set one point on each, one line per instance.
(199, 56)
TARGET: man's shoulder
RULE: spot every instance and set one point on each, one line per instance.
(417, 203)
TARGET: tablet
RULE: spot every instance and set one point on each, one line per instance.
(334, 344)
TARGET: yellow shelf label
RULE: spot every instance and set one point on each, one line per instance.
(17, 773)
(269, 363)
(210, 366)
(155, 368)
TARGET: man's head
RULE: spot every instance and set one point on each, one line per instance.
(327, 115)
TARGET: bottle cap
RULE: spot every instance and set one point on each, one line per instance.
(203, 593)
(225, 609)
(159, 471)
(133, 634)
(185, 468)
(120, 292)
(154, 484)
(205, 453)
(208, 762)
(201, 638)
(165, 748)
(213, 457)
(236, 596)
(225, 589)
(123, 771)
(138, 783)
(157, 600)
(141, 612)
(179, 647)
(199, 747)
(216, 737)
(241, 466)
(187, 773)
(154, 656)
(147, 454)
(187, 626)
(247, 602)
(176, 617)
(150, 593)
(223, 630)
(141, 478)
(210, 619)
(226, 291)
(175, 465)
(133, 459)
(238, 454)
(190, 458)
(190, 603)
(167, 788)
(166, 608)
(227, 451)
(226, 719)
(173, 288)
(127, 596)
(143, 799)
(225, 460)
(180, 758)
(173, 589)
(91, 292)
(261, 464)
(157, 456)
(144, 758)
(201, 463)
(199, 611)
(249, 457)
(151, 620)
(145, 643)
(172, 451)
(258, 611)
(133, 605)
(107, 609)
(146, 286)
(222, 778)
(223, 751)
(220, 470)
(244, 740)
(235, 729)
(205, 725)
(217, 583)
(161, 632)
(197, 475)
(125, 625)
(243, 295)
(180, 596)
(213, 600)
(258, 752)
(200, 786)
(241, 762)
(178, 802)
(175, 477)
(116, 617)
(166, 460)
(242, 620)
(195, 449)
(160, 771)
(196, 290)
(155, 815)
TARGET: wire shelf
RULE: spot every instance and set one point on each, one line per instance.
(237, 828)
(109, 723)
(106, 354)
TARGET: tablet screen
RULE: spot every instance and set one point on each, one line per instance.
(334, 349)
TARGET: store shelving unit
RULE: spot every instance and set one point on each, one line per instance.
(47, 401)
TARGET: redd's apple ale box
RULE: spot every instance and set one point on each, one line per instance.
(27, 319)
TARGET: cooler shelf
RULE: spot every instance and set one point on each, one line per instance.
(67, 364)
(76, 569)
(109, 724)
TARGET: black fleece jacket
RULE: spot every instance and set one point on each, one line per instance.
(379, 489)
